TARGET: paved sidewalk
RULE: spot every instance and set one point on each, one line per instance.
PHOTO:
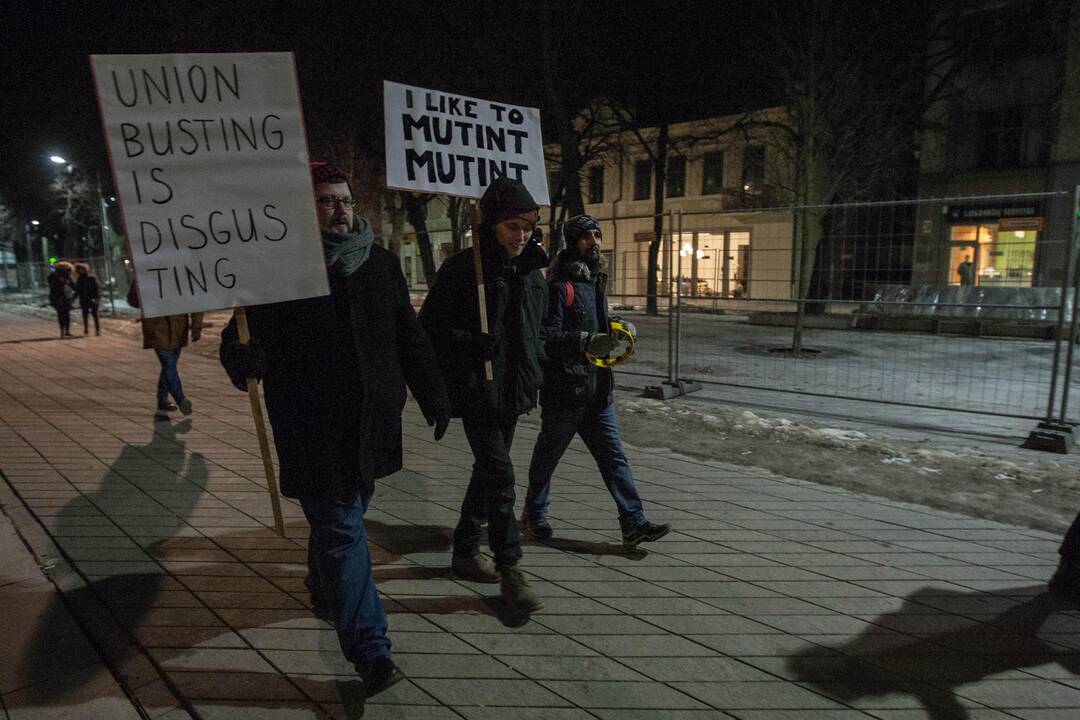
(774, 598)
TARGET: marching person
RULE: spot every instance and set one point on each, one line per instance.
(516, 296)
(167, 335)
(334, 370)
(86, 287)
(577, 397)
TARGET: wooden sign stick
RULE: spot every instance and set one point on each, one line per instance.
(260, 427)
(481, 295)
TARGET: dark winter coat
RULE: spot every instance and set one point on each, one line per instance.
(61, 290)
(516, 299)
(336, 371)
(86, 287)
(569, 378)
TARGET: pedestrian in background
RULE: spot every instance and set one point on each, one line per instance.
(62, 294)
(577, 395)
(86, 287)
(167, 336)
(516, 297)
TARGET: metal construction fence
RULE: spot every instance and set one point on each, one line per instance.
(959, 303)
(964, 303)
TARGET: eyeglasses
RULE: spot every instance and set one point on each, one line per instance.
(330, 201)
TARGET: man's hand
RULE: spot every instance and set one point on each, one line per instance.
(249, 360)
(440, 422)
(601, 344)
(484, 345)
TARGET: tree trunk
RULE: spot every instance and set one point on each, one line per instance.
(659, 170)
(570, 174)
(415, 212)
(809, 234)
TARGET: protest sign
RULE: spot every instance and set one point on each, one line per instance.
(211, 166)
(437, 142)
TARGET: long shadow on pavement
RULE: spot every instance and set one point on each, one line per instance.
(933, 666)
(122, 610)
(132, 482)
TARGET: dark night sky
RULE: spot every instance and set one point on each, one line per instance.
(687, 57)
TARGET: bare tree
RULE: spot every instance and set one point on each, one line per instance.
(416, 205)
(75, 207)
(852, 90)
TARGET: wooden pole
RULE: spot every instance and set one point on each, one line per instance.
(481, 295)
(240, 314)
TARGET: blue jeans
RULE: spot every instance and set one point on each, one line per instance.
(558, 424)
(169, 380)
(339, 567)
(490, 495)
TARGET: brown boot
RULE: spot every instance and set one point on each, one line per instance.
(516, 593)
(477, 568)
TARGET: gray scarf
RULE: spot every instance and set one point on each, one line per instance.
(346, 252)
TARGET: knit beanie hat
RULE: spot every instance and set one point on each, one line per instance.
(324, 172)
(576, 226)
(506, 198)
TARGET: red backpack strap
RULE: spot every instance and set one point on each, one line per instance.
(569, 294)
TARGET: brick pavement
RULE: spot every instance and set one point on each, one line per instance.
(774, 598)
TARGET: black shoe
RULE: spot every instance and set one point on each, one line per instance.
(536, 527)
(379, 674)
(645, 532)
(165, 406)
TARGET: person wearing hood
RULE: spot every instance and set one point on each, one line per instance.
(577, 395)
(516, 295)
(334, 370)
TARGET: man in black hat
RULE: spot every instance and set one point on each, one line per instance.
(334, 370)
(516, 296)
(577, 394)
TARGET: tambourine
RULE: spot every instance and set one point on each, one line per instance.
(626, 334)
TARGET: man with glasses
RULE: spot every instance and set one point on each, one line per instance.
(334, 370)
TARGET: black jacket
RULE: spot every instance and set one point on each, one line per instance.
(569, 378)
(335, 380)
(516, 299)
(86, 287)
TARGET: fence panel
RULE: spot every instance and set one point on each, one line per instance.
(951, 304)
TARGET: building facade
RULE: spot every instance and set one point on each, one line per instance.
(1004, 137)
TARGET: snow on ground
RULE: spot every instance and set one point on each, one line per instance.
(1042, 492)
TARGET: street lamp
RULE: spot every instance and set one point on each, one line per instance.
(58, 160)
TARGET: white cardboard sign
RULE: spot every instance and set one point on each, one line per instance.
(211, 165)
(437, 142)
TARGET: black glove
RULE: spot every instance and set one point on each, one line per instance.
(440, 421)
(248, 361)
(483, 344)
(601, 344)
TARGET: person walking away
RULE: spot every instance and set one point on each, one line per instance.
(167, 336)
(577, 396)
(86, 288)
(61, 295)
(516, 296)
(334, 370)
